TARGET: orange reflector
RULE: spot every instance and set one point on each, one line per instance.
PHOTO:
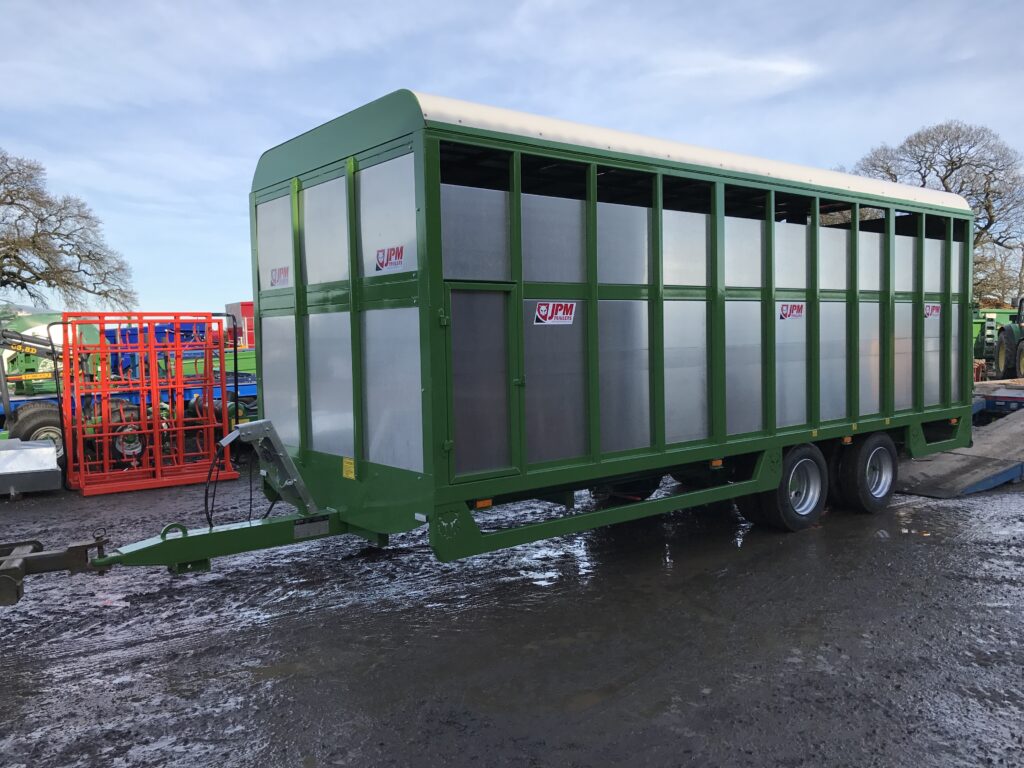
(716, 463)
(847, 440)
(483, 503)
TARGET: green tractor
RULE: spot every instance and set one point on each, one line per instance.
(31, 410)
(1009, 353)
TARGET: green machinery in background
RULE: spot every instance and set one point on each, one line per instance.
(999, 339)
(459, 306)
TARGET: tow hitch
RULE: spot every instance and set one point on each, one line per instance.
(22, 558)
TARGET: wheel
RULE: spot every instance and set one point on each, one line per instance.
(126, 443)
(1020, 358)
(800, 498)
(1005, 362)
(626, 491)
(40, 421)
(868, 474)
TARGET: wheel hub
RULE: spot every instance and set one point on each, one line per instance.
(879, 472)
(804, 487)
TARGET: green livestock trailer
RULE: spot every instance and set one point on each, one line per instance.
(461, 306)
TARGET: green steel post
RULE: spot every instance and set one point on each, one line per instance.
(769, 372)
(298, 287)
(853, 319)
(814, 320)
(656, 316)
(256, 304)
(593, 362)
(355, 319)
(888, 310)
(918, 345)
(716, 317)
(967, 292)
(946, 318)
(436, 326)
(517, 366)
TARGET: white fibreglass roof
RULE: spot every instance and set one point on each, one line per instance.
(440, 109)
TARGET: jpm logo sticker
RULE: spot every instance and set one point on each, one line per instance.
(390, 258)
(791, 311)
(279, 277)
(932, 310)
(555, 313)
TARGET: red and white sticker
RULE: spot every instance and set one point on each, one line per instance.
(279, 277)
(555, 313)
(932, 310)
(791, 311)
(390, 258)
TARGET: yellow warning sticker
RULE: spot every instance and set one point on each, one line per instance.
(348, 468)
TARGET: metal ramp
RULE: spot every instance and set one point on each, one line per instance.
(995, 458)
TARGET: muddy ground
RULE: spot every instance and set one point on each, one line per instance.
(895, 640)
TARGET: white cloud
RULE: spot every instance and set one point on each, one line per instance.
(128, 53)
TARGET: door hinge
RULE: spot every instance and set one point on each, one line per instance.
(443, 319)
(447, 446)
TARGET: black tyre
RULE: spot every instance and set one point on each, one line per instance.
(800, 498)
(869, 472)
(40, 421)
(127, 445)
(1005, 361)
(627, 491)
(1020, 359)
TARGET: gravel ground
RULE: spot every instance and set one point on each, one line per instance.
(893, 640)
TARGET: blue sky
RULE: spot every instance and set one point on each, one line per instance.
(156, 112)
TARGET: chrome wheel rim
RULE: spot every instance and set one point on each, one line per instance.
(53, 435)
(804, 486)
(878, 472)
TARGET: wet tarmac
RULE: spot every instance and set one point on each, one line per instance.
(690, 639)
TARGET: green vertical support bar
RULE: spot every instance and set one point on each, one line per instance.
(918, 345)
(355, 319)
(257, 313)
(432, 270)
(656, 320)
(814, 320)
(853, 320)
(517, 368)
(966, 322)
(430, 298)
(301, 353)
(593, 364)
(716, 317)
(946, 318)
(769, 373)
(888, 311)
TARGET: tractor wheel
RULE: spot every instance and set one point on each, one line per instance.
(868, 474)
(127, 445)
(40, 421)
(1020, 358)
(1005, 362)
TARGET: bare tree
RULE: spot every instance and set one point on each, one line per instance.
(54, 245)
(971, 161)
